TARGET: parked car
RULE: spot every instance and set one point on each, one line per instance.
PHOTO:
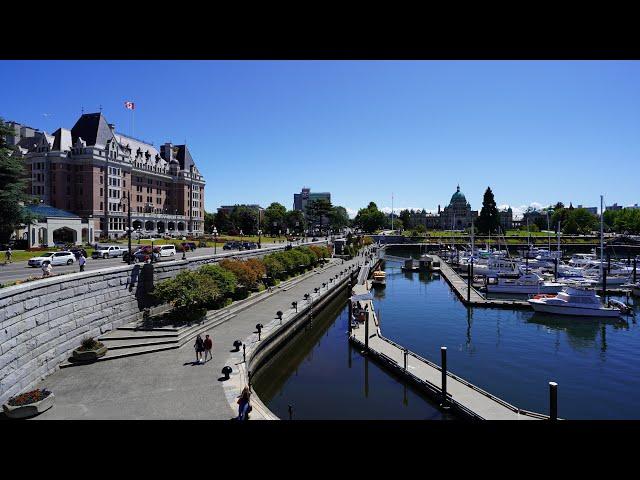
(54, 258)
(108, 251)
(144, 253)
(77, 251)
(249, 245)
(167, 250)
(230, 245)
(188, 246)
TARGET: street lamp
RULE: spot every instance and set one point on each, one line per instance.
(129, 229)
(259, 238)
(215, 240)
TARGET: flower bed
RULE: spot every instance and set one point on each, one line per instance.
(29, 404)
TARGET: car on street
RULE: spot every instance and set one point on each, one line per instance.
(232, 245)
(249, 245)
(188, 246)
(167, 250)
(108, 251)
(77, 251)
(53, 258)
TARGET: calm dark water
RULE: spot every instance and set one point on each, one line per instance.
(512, 354)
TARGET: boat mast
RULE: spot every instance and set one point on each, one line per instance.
(559, 222)
(601, 236)
(472, 243)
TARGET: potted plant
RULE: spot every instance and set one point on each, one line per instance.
(89, 351)
(29, 404)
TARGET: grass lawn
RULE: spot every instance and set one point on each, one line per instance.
(23, 255)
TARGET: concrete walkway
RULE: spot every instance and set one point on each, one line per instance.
(166, 385)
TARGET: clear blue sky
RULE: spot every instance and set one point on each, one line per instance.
(535, 131)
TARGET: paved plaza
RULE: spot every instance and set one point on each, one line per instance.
(166, 384)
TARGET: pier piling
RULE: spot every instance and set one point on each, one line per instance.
(553, 401)
(290, 412)
(366, 331)
(443, 355)
(469, 283)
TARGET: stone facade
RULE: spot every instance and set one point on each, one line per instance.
(41, 322)
(458, 214)
(90, 170)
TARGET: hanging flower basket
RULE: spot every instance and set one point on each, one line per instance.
(29, 404)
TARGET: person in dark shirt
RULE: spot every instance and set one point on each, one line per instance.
(199, 347)
(208, 345)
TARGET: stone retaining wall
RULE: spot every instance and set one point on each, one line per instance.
(41, 322)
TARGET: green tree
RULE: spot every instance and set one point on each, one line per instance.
(245, 219)
(489, 219)
(338, 218)
(188, 291)
(12, 187)
(295, 221)
(370, 219)
(209, 221)
(405, 216)
(318, 212)
(274, 218)
(224, 280)
(223, 222)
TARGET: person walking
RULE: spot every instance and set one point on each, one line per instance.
(208, 345)
(46, 269)
(244, 407)
(199, 347)
(7, 255)
(81, 261)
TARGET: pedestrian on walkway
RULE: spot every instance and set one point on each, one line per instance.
(208, 345)
(244, 407)
(7, 256)
(199, 347)
(81, 262)
(46, 269)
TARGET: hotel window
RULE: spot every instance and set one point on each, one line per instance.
(101, 180)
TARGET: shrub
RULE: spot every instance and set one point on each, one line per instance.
(89, 343)
(246, 275)
(274, 267)
(257, 266)
(225, 280)
(188, 291)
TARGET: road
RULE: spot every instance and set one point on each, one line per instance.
(20, 270)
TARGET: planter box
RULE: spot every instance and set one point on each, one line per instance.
(30, 410)
(89, 355)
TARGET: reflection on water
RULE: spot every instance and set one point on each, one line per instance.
(512, 354)
(322, 376)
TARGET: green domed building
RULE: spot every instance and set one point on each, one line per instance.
(458, 214)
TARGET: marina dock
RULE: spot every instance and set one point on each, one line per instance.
(462, 397)
(473, 298)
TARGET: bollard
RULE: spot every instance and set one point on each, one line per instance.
(295, 305)
(279, 315)
(290, 412)
(259, 328)
(443, 355)
(468, 283)
(553, 401)
(366, 331)
(406, 353)
(244, 353)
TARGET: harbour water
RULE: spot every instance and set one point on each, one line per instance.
(512, 354)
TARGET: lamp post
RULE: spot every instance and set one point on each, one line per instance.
(215, 240)
(259, 238)
(129, 229)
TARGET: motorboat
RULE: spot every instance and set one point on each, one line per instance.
(582, 259)
(574, 301)
(497, 266)
(379, 279)
(525, 284)
(547, 255)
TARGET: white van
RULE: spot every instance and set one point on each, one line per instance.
(167, 250)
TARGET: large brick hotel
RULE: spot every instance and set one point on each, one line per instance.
(88, 170)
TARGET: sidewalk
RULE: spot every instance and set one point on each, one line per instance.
(166, 385)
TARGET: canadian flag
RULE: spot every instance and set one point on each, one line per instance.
(129, 105)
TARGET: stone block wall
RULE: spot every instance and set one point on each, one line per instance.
(41, 322)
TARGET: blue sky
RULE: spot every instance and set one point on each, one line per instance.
(535, 131)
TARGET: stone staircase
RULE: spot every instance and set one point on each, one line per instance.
(133, 339)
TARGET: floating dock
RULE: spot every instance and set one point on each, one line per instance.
(462, 397)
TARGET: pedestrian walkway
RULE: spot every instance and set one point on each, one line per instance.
(167, 384)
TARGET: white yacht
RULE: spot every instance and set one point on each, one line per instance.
(528, 283)
(574, 301)
(497, 266)
(582, 259)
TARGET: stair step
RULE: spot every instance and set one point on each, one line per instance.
(114, 344)
(158, 329)
(125, 352)
(128, 334)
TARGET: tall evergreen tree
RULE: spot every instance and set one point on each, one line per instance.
(12, 187)
(489, 219)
